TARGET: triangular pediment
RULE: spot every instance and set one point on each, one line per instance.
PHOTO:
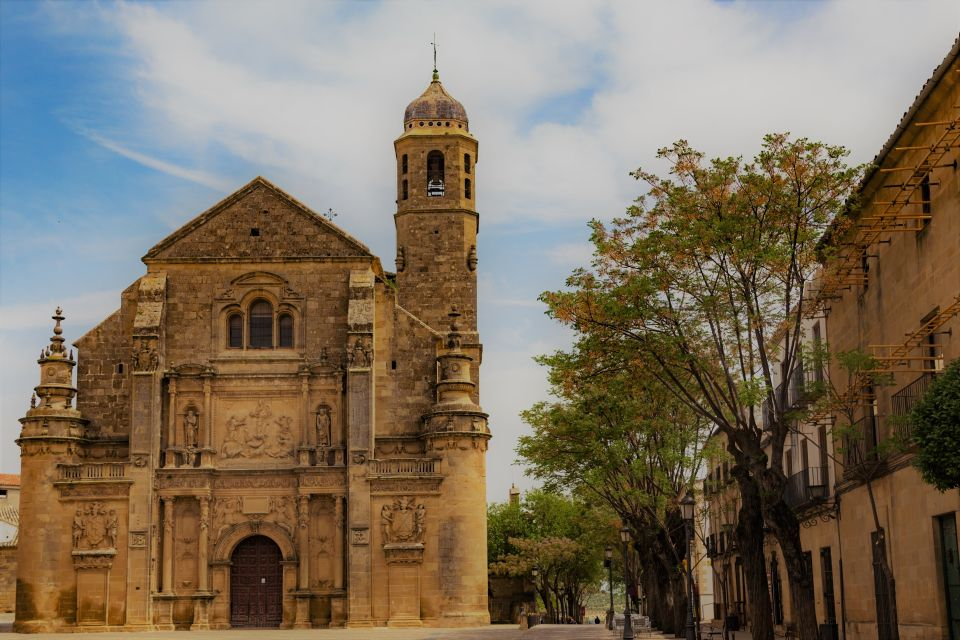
(258, 222)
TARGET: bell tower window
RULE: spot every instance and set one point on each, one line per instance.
(405, 191)
(466, 163)
(467, 193)
(435, 174)
(261, 324)
(403, 164)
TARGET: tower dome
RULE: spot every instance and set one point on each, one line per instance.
(435, 107)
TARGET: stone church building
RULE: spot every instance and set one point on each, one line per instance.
(271, 430)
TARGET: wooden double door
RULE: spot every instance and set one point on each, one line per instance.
(256, 584)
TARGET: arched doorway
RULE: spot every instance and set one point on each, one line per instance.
(256, 583)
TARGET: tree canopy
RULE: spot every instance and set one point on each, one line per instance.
(936, 430)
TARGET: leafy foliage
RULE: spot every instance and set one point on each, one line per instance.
(936, 430)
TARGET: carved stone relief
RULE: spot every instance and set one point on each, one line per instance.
(145, 357)
(258, 435)
(403, 521)
(360, 354)
(95, 527)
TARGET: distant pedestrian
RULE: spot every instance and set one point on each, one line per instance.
(596, 620)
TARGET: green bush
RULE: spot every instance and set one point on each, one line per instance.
(936, 430)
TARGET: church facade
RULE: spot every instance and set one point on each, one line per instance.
(271, 430)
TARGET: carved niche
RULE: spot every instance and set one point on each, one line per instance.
(145, 356)
(323, 424)
(191, 427)
(95, 527)
(403, 521)
(360, 354)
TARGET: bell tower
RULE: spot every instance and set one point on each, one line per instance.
(436, 219)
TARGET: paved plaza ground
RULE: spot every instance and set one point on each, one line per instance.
(495, 632)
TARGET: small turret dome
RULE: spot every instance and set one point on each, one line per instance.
(435, 106)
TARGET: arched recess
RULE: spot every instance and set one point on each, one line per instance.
(233, 535)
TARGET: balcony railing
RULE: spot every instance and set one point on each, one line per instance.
(806, 486)
(404, 466)
(903, 401)
(92, 471)
(860, 443)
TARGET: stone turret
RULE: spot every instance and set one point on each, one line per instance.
(456, 430)
(52, 433)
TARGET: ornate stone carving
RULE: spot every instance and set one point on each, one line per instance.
(359, 458)
(204, 514)
(303, 512)
(138, 539)
(323, 424)
(472, 258)
(145, 357)
(257, 482)
(323, 480)
(360, 536)
(94, 490)
(420, 486)
(403, 521)
(360, 354)
(95, 527)
(401, 259)
(254, 440)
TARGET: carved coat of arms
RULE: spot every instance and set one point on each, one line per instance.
(402, 522)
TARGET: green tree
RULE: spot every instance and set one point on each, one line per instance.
(935, 419)
(562, 538)
(616, 437)
(707, 276)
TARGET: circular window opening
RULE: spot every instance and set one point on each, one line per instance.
(421, 124)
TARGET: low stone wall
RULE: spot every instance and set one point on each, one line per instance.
(8, 579)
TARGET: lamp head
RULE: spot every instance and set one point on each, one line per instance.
(686, 507)
(625, 535)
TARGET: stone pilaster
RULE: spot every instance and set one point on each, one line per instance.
(360, 421)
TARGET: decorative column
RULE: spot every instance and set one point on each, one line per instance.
(337, 610)
(165, 597)
(303, 553)
(203, 596)
(303, 450)
(208, 451)
(172, 453)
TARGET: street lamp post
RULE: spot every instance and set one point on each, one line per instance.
(627, 619)
(536, 608)
(608, 560)
(686, 510)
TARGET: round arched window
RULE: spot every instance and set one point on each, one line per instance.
(285, 324)
(235, 331)
(261, 324)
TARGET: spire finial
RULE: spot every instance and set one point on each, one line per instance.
(56, 342)
(436, 74)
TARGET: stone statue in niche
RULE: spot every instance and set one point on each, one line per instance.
(191, 427)
(323, 426)
(361, 355)
(402, 522)
(95, 527)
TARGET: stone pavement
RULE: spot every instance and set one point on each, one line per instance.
(495, 632)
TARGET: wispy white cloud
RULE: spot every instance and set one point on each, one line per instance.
(571, 254)
(193, 175)
(81, 310)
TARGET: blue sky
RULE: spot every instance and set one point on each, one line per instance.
(121, 121)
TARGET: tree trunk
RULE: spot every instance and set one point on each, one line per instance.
(750, 542)
(678, 590)
(786, 528)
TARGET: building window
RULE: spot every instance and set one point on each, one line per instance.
(403, 163)
(404, 190)
(926, 206)
(932, 354)
(235, 331)
(435, 174)
(285, 324)
(261, 324)
(466, 163)
(467, 193)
